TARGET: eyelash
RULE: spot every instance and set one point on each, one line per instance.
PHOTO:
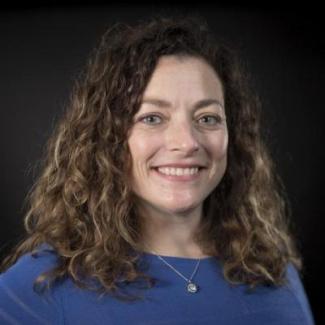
(218, 118)
(148, 116)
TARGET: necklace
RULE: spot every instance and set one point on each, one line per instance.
(191, 286)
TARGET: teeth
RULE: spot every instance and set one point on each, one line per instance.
(178, 171)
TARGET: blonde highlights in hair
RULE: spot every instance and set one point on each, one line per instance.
(82, 203)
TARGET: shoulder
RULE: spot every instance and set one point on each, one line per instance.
(18, 300)
(297, 290)
(29, 266)
(42, 257)
(286, 304)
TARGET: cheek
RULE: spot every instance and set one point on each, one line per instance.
(142, 147)
(217, 149)
(218, 145)
(224, 144)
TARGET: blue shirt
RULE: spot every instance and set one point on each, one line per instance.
(168, 302)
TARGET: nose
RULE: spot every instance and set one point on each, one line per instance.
(182, 137)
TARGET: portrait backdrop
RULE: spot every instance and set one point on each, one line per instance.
(44, 48)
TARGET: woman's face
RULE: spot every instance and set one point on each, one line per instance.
(178, 141)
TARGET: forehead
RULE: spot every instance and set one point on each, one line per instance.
(189, 76)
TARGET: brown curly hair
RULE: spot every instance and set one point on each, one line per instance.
(82, 204)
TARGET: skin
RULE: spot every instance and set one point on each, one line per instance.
(178, 132)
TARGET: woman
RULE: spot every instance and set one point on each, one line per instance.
(158, 202)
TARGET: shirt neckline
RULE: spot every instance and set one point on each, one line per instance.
(152, 256)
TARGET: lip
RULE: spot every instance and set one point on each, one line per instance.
(181, 178)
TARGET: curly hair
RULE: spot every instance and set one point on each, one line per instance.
(82, 203)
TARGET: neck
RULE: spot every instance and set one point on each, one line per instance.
(171, 234)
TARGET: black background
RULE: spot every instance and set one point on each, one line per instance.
(43, 48)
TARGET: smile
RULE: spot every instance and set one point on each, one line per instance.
(178, 174)
(178, 171)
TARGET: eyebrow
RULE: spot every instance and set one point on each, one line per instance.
(165, 104)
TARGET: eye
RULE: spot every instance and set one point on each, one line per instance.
(151, 119)
(210, 119)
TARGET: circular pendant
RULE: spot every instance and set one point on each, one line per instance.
(192, 287)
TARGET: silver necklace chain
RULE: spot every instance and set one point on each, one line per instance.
(191, 287)
(179, 273)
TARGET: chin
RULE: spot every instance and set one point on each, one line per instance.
(181, 208)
